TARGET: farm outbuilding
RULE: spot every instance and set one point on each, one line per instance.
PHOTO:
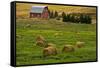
(39, 12)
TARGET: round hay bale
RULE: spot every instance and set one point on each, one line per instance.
(40, 38)
(68, 48)
(49, 51)
(49, 44)
(79, 44)
(40, 43)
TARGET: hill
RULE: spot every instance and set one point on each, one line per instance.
(23, 9)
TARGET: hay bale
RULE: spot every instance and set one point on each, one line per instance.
(49, 51)
(40, 43)
(68, 48)
(40, 38)
(79, 44)
(58, 34)
(49, 44)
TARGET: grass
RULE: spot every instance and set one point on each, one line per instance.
(68, 33)
(28, 53)
(23, 9)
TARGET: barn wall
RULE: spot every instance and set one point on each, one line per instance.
(33, 15)
(45, 14)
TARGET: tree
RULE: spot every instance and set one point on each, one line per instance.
(56, 14)
(72, 18)
(63, 14)
(81, 18)
(51, 14)
(85, 19)
(68, 18)
(64, 17)
(88, 19)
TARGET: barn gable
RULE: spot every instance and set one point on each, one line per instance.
(37, 9)
(39, 12)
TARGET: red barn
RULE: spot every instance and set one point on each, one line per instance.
(39, 12)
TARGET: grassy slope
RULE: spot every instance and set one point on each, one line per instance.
(24, 9)
(29, 53)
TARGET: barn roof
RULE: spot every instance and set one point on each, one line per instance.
(37, 9)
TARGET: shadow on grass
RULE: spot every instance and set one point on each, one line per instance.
(54, 57)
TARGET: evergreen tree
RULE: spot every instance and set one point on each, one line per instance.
(68, 17)
(63, 14)
(81, 18)
(85, 19)
(89, 19)
(64, 17)
(72, 18)
(56, 14)
(51, 14)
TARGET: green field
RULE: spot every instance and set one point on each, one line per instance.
(68, 33)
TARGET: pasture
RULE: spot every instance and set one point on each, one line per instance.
(68, 33)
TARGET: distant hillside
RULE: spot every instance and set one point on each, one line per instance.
(23, 9)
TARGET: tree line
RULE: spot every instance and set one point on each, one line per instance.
(74, 18)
